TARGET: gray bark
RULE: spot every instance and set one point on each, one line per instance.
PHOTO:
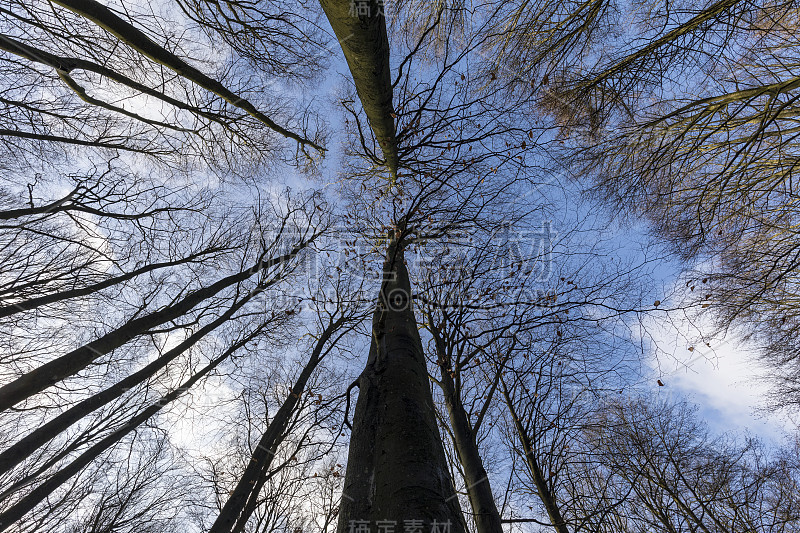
(366, 48)
(397, 470)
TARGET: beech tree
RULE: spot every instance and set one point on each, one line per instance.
(103, 68)
(663, 471)
(176, 335)
(519, 348)
(688, 122)
(172, 304)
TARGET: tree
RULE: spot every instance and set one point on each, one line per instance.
(38, 379)
(464, 307)
(243, 499)
(525, 333)
(217, 304)
(666, 473)
(84, 49)
(396, 466)
(157, 281)
(690, 125)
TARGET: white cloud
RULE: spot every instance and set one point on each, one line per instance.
(726, 381)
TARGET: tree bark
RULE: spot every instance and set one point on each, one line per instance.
(479, 491)
(366, 48)
(397, 470)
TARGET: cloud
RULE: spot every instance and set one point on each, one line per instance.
(724, 380)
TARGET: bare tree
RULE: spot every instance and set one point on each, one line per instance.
(690, 124)
(665, 472)
(125, 298)
(101, 62)
(336, 320)
(104, 417)
(59, 368)
(517, 344)
(41, 492)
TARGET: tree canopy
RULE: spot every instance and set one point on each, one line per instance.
(373, 267)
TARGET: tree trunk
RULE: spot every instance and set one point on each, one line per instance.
(479, 491)
(241, 503)
(397, 471)
(43, 491)
(366, 48)
(73, 362)
(26, 446)
(545, 494)
(139, 41)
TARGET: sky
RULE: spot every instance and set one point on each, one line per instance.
(725, 381)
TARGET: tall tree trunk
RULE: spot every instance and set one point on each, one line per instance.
(73, 362)
(479, 491)
(542, 487)
(37, 438)
(397, 470)
(361, 29)
(242, 501)
(44, 490)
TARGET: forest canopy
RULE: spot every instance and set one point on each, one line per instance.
(361, 266)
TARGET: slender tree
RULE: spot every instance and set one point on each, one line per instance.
(243, 499)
